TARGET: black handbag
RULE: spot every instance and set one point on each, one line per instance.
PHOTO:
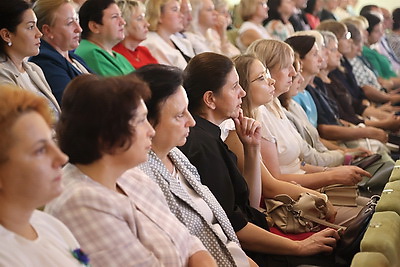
(380, 172)
(365, 162)
(349, 243)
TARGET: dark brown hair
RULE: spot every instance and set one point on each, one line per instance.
(96, 115)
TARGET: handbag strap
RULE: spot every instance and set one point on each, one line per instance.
(323, 222)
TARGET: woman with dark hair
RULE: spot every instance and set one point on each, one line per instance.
(328, 124)
(59, 23)
(311, 12)
(277, 23)
(212, 101)
(30, 177)
(20, 38)
(102, 28)
(378, 61)
(191, 202)
(104, 130)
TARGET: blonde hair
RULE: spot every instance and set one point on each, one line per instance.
(360, 21)
(243, 65)
(319, 39)
(272, 53)
(197, 5)
(247, 9)
(14, 102)
(44, 10)
(338, 28)
(127, 7)
(154, 9)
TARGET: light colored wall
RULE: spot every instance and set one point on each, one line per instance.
(388, 4)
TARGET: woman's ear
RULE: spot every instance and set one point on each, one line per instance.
(46, 31)
(209, 99)
(93, 27)
(5, 35)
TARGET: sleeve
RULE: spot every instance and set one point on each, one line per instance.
(56, 76)
(214, 176)
(104, 233)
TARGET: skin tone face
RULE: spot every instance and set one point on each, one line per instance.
(25, 40)
(261, 84)
(186, 10)
(207, 14)
(286, 8)
(344, 43)
(223, 11)
(312, 61)
(333, 56)
(141, 141)
(356, 49)
(174, 121)
(31, 176)
(137, 27)
(112, 29)
(283, 77)
(376, 34)
(297, 81)
(65, 32)
(261, 10)
(300, 3)
(171, 19)
(227, 102)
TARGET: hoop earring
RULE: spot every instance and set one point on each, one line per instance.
(9, 43)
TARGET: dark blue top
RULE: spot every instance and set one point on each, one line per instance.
(57, 69)
(328, 112)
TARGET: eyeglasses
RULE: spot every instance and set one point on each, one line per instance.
(264, 76)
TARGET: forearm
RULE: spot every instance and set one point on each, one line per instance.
(251, 173)
(254, 238)
(309, 180)
(272, 187)
(375, 95)
(336, 132)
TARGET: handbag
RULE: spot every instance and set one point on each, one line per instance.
(341, 195)
(380, 172)
(304, 215)
(365, 162)
(349, 243)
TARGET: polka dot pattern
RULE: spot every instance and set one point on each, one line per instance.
(185, 209)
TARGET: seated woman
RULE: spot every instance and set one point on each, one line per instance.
(59, 24)
(18, 43)
(284, 152)
(187, 198)
(30, 177)
(224, 22)
(102, 28)
(212, 101)
(297, 116)
(311, 12)
(277, 23)
(356, 73)
(136, 29)
(117, 222)
(253, 13)
(207, 31)
(165, 21)
(342, 98)
(328, 124)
